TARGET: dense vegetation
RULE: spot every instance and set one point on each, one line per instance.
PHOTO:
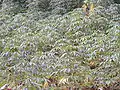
(53, 44)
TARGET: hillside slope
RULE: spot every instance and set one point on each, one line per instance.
(69, 50)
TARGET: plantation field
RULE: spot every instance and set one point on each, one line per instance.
(60, 52)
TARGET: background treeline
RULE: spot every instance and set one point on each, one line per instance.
(48, 6)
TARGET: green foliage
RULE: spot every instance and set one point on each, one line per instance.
(46, 6)
(74, 49)
(59, 46)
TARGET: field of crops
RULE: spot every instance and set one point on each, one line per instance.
(59, 52)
